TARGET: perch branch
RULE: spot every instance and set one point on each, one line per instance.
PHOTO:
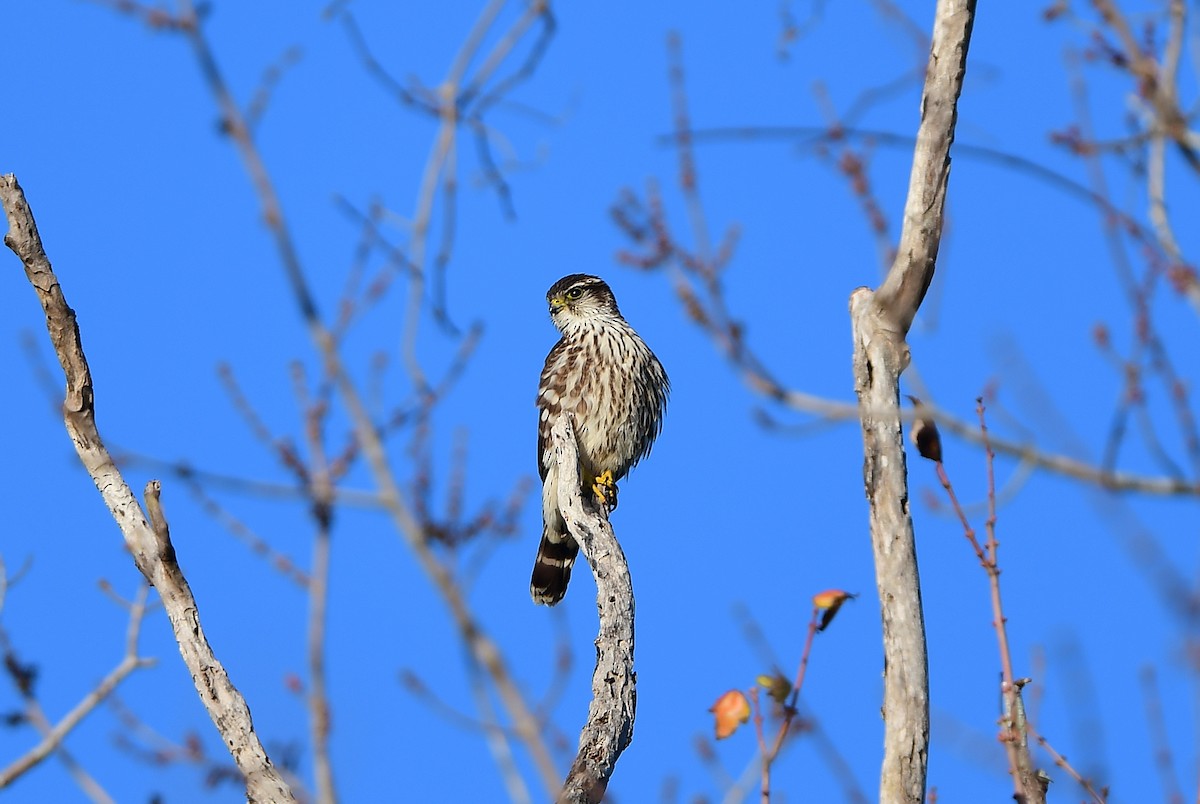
(609, 726)
(148, 541)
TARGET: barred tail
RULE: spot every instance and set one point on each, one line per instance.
(552, 568)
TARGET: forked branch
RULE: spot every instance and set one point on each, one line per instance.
(881, 321)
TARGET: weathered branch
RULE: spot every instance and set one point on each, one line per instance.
(880, 322)
(878, 362)
(912, 271)
(609, 726)
(148, 541)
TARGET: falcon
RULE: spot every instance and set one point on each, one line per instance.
(604, 375)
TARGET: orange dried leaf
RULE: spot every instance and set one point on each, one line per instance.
(730, 711)
(830, 598)
(830, 601)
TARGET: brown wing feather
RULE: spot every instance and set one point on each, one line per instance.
(546, 422)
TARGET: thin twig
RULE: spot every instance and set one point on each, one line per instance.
(367, 433)
(789, 708)
(1027, 786)
(1061, 761)
(1159, 741)
(52, 737)
(499, 741)
(320, 489)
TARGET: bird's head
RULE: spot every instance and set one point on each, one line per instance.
(578, 298)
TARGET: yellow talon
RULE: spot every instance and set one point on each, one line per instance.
(605, 489)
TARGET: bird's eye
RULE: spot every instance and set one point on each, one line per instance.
(574, 293)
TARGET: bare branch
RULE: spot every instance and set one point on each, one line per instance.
(149, 543)
(499, 741)
(450, 102)
(1029, 784)
(484, 649)
(877, 366)
(880, 322)
(646, 226)
(1100, 797)
(368, 434)
(53, 736)
(910, 275)
(1156, 724)
(320, 491)
(609, 727)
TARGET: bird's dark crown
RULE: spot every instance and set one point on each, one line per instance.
(583, 281)
(580, 297)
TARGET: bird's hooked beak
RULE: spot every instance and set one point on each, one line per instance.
(557, 303)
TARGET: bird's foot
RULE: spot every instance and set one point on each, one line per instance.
(605, 489)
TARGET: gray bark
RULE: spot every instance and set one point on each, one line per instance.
(881, 321)
(609, 727)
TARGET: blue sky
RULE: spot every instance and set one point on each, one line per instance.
(156, 236)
